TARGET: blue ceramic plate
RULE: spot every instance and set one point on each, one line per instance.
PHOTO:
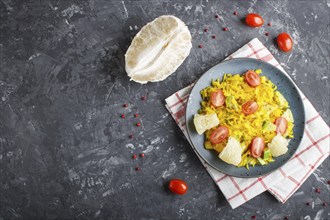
(284, 85)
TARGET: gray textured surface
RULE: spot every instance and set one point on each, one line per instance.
(65, 151)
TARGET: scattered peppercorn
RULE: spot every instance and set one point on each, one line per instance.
(269, 24)
(213, 36)
(225, 29)
(143, 98)
(136, 115)
(138, 124)
(200, 46)
(137, 168)
(122, 116)
(134, 156)
(142, 155)
(206, 30)
(235, 13)
(125, 105)
(317, 190)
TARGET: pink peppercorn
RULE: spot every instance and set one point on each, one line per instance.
(143, 98)
(317, 190)
(266, 33)
(213, 36)
(130, 136)
(225, 29)
(137, 168)
(216, 16)
(325, 204)
(253, 216)
(200, 46)
(206, 30)
(138, 124)
(142, 155)
(269, 24)
(122, 116)
(134, 156)
(136, 115)
(235, 13)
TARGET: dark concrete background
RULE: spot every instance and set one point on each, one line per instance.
(65, 152)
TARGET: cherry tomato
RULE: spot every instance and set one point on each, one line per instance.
(249, 107)
(284, 42)
(252, 78)
(257, 147)
(217, 98)
(281, 125)
(178, 186)
(219, 135)
(254, 20)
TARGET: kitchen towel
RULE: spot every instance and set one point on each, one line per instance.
(283, 182)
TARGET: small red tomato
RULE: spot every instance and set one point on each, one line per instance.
(178, 186)
(257, 147)
(284, 42)
(249, 107)
(252, 78)
(281, 125)
(254, 20)
(219, 135)
(217, 98)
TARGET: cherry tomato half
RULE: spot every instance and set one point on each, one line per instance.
(252, 78)
(284, 42)
(257, 147)
(281, 125)
(254, 20)
(217, 98)
(219, 134)
(178, 186)
(249, 107)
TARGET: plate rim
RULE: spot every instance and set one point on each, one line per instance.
(284, 75)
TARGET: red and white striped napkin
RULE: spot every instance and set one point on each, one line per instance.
(282, 183)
